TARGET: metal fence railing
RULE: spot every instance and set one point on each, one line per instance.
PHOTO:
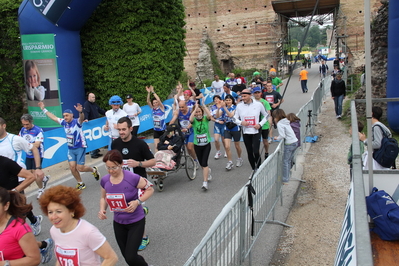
(229, 240)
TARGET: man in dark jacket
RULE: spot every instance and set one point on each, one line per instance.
(338, 93)
(92, 111)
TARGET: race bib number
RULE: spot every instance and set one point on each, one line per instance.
(70, 141)
(67, 256)
(116, 201)
(127, 167)
(250, 120)
(202, 140)
(157, 121)
(270, 98)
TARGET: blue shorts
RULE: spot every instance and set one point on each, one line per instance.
(219, 129)
(77, 155)
(189, 138)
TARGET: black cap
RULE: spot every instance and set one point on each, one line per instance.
(129, 96)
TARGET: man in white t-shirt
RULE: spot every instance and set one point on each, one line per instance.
(133, 110)
(217, 86)
(113, 116)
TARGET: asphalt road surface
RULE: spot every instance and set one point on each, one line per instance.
(180, 216)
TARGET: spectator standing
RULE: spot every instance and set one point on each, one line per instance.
(129, 216)
(34, 134)
(303, 78)
(132, 110)
(217, 86)
(338, 93)
(378, 130)
(76, 142)
(92, 111)
(247, 115)
(77, 241)
(158, 115)
(323, 69)
(200, 118)
(113, 116)
(287, 134)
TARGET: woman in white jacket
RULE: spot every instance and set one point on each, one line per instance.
(290, 141)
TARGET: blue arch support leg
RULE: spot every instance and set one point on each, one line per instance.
(63, 19)
(393, 59)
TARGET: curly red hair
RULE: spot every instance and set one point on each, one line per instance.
(67, 196)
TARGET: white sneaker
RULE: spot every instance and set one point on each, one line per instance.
(46, 178)
(196, 164)
(209, 174)
(39, 193)
(239, 162)
(229, 165)
(217, 155)
(205, 185)
(225, 155)
(269, 139)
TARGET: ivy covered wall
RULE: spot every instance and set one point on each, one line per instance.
(128, 45)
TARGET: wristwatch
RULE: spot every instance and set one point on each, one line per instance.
(139, 201)
(140, 164)
(7, 263)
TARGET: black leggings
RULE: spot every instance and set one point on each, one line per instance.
(203, 154)
(128, 237)
(135, 130)
(252, 144)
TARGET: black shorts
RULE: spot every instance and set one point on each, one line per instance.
(265, 133)
(30, 163)
(158, 134)
(235, 135)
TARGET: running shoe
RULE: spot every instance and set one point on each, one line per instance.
(47, 252)
(205, 185)
(46, 178)
(96, 173)
(269, 139)
(229, 165)
(196, 164)
(145, 208)
(80, 186)
(39, 193)
(209, 175)
(144, 242)
(37, 227)
(239, 162)
(217, 155)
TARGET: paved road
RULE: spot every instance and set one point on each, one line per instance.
(180, 216)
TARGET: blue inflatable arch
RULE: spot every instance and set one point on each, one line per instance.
(64, 19)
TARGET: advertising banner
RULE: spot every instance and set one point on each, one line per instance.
(41, 77)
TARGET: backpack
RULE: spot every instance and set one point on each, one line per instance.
(387, 153)
(384, 211)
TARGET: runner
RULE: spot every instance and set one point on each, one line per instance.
(158, 115)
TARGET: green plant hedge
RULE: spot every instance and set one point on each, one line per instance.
(11, 73)
(127, 45)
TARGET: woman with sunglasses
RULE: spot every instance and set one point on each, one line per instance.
(119, 192)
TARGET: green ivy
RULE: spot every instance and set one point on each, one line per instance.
(215, 62)
(11, 75)
(127, 45)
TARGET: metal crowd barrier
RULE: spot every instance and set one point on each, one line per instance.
(229, 240)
